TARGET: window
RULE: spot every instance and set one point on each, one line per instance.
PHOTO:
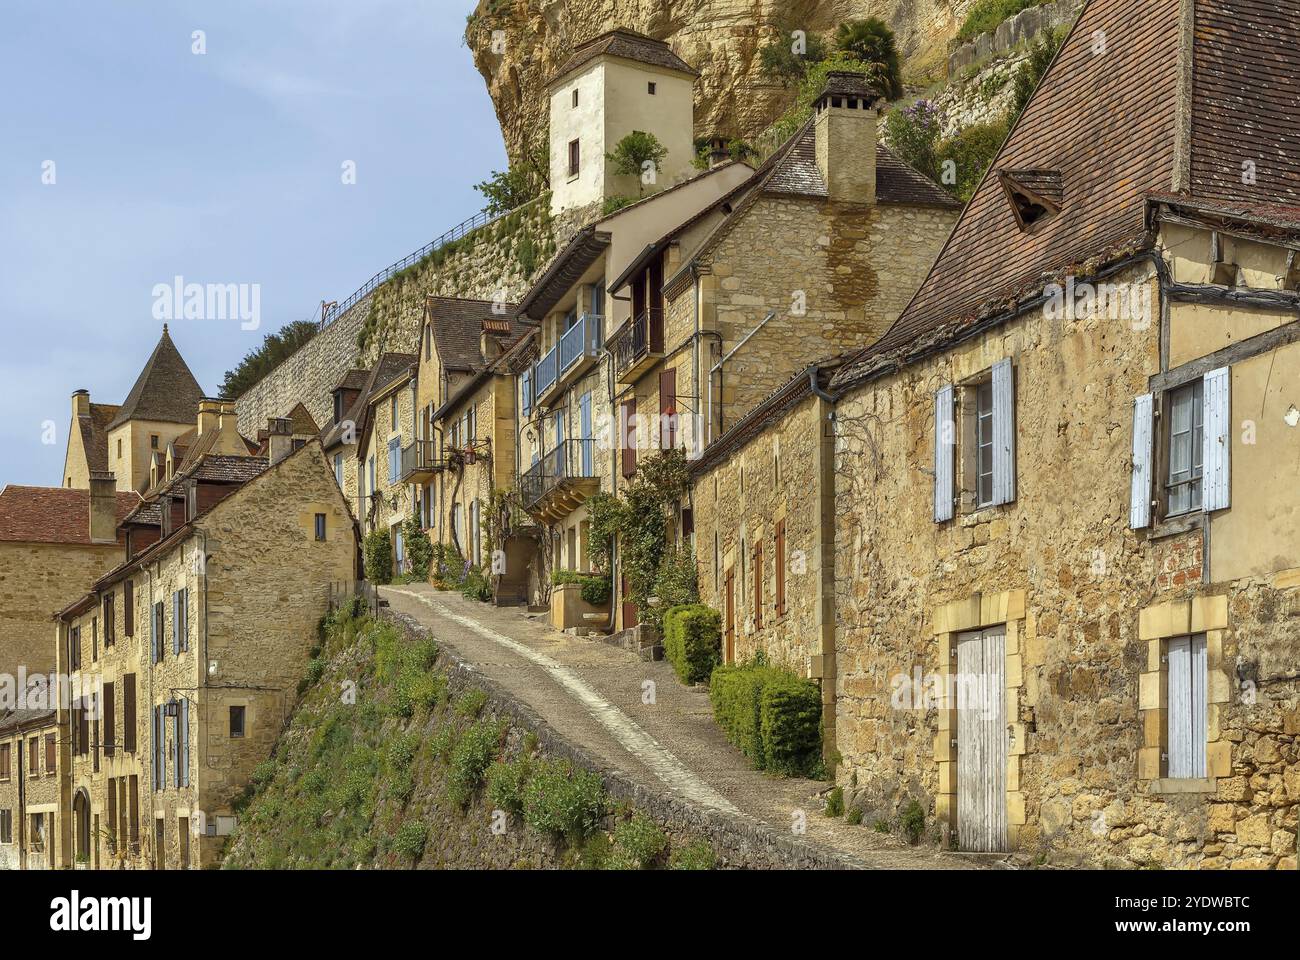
(1186, 447)
(652, 88)
(668, 409)
(575, 97)
(778, 561)
(128, 608)
(985, 410)
(5, 749)
(394, 459)
(236, 722)
(320, 526)
(984, 444)
(471, 425)
(428, 341)
(110, 627)
(128, 712)
(6, 826)
(338, 469)
(1188, 707)
(119, 448)
(74, 648)
(49, 753)
(153, 441)
(575, 156)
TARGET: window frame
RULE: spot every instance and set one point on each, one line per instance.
(243, 721)
(575, 158)
(1195, 482)
(321, 528)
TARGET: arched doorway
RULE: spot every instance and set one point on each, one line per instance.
(81, 820)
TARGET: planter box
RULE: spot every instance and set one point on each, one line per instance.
(568, 609)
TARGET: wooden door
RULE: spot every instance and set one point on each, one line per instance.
(982, 741)
(729, 650)
(631, 615)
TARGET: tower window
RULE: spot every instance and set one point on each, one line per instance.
(652, 87)
(575, 155)
(575, 97)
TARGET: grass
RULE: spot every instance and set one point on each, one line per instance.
(985, 15)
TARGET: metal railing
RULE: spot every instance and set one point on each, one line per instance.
(580, 340)
(638, 338)
(421, 455)
(571, 460)
(546, 372)
(462, 229)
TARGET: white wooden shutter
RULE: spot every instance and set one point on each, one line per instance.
(1139, 510)
(1004, 432)
(945, 435)
(1218, 444)
(1188, 707)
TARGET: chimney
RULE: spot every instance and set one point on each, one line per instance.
(81, 403)
(279, 437)
(209, 416)
(489, 342)
(845, 131)
(103, 507)
(718, 152)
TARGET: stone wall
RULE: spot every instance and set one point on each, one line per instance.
(1013, 32)
(1086, 602)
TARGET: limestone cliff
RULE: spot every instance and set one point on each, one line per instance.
(720, 38)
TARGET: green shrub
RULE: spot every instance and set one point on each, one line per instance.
(638, 844)
(693, 640)
(985, 15)
(971, 150)
(560, 799)
(476, 586)
(410, 839)
(696, 855)
(596, 588)
(379, 556)
(835, 802)
(446, 566)
(854, 817)
(676, 583)
(913, 820)
(442, 743)
(471, 703)
(401, 752)
(263, 774)
(474, 752)
(913, 133)
(1031, 72)
(772, 716)
(419, 548)
(418, 691)
(505, 784)
(614, 204)
(881, 825)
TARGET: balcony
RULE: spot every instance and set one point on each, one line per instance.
(559, 482)
(420, 463)
(580, 344)
(545, 373)
(638, 345)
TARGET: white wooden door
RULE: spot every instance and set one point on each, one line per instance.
(982, 740)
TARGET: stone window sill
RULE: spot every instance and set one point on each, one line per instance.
(1170, 785)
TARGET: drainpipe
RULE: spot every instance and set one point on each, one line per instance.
(717, 368)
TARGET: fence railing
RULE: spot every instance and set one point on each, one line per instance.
(636, 339)
(571, 460)
(342, 592)
(547, 372)
(462, 229)
(583, 339)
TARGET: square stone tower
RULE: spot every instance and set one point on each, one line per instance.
(615, 84)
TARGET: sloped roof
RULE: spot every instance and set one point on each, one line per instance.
(626, 45)
(52, 514)
(94, 434)
(354, 379)
(302, 421)
(1107, 123)
(11, 720)
(165, 389)
(457, 325)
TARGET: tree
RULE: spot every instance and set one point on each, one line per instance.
(786, 59)
(275, 349)
(913, 132)
(637, 155)
(506, 191)
(1031, 72)
(970, 151)
(871, 41)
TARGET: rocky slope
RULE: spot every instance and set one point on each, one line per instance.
(721, 38)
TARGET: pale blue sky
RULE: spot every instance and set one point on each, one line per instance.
(222, 168)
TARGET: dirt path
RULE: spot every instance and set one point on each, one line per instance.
(642, 721)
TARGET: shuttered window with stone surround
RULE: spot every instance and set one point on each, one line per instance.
(1188, 705)
(986, 409)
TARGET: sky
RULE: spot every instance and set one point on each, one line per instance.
(128, 159)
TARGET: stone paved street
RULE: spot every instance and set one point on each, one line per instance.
(591, 693)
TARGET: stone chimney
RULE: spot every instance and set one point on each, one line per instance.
(279, 438)
(80, 403)
(209, 416)
(718, 152)
(845, 131)
(489, 341)
(103, 507)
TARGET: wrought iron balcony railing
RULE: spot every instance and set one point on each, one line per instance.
(638, 340)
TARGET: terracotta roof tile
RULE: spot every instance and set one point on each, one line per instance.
(94, 434)
(52, 514)
(627, 45)
(457, 325)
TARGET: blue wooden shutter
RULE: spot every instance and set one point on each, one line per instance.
(945, 436)
(176, 747)
(156, 767)
(1188, 707)
(1218, 443)
(1139, 509)
(1004, 432)
(185, 743)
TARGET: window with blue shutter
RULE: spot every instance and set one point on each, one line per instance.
(176, 747)
(1188, 707)
(1216, 455)
(945, 445)
(185, 743)
(1004, 432)
(1139, 509)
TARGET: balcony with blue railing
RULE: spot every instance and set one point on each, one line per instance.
(580, 344)
(545, 373)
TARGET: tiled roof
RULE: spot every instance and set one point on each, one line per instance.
(627, 45)
(354, 379)
(94, 434)
(1284, 216)
(1125, 101)
(165, 389)
(457, 325)
(51, 514)
(11, 720)
(228, 469)
(302, 421)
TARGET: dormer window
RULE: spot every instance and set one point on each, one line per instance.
(1035, 195)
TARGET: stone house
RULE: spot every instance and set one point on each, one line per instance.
(29, 790)
(1066, 522)
(339, 436)
(54, 542)
(126, 440)
(612, 85)
(387, 419)
(567, 420)
(184, 661)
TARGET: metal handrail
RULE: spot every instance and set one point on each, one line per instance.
(580, 340)
(548, 371)
(571, 460)
(634, 339)
(462, 229)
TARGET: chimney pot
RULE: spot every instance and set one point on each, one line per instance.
(845, 137)
(279, 438)
(81, 403)
(209, 416)
(719, 153)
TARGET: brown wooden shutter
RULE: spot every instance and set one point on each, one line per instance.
(110, 720)
(128, 608)
(128, 713)
(49, 753)
(668, 409)
(779, 561)
(758, 585)
(134, 823)
(628, 438)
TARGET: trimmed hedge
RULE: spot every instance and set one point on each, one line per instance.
(693, 640)
(771, 715)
